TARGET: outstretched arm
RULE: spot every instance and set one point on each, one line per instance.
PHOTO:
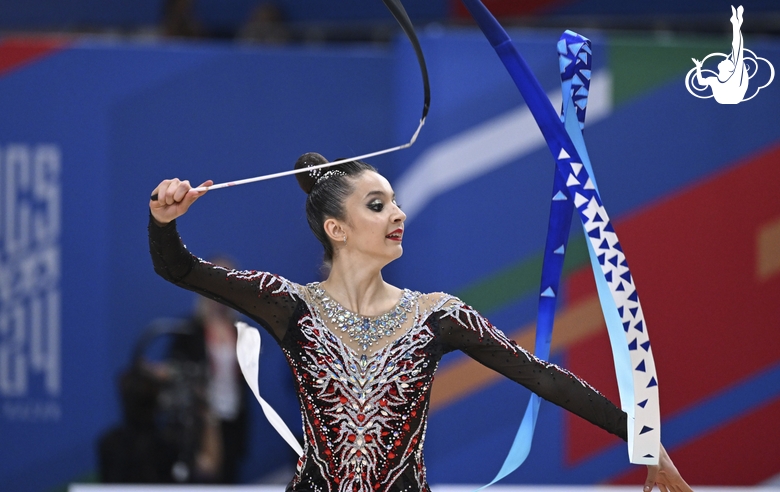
(463, 328)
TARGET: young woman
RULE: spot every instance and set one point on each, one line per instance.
(363, 352)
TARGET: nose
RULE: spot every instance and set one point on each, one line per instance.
(399, 216)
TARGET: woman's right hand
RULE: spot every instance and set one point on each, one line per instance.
(174, 198)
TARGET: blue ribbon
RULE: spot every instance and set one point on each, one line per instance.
(574, 187)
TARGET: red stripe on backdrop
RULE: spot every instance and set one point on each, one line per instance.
(712, 318)
(731, 455)
(16, 52)
(508, 8)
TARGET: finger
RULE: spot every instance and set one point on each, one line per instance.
(193, 195)
(159, 191)
(155, 193)
(170, 192)
(204, 184)
(181, 191)
(652, 474)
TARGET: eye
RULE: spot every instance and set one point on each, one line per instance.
(376, 205)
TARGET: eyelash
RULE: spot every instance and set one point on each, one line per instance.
(378, 206)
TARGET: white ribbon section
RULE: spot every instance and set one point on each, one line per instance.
(248, 353)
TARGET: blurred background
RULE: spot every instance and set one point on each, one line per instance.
(102, 99)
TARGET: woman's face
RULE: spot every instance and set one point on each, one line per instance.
(374, 223)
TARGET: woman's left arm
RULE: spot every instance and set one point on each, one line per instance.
(462, 328)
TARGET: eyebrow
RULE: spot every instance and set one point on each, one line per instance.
(377, 192)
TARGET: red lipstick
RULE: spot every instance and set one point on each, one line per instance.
(396, 235)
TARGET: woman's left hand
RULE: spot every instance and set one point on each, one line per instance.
(665, 475)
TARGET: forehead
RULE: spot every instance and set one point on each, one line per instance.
(368, 182)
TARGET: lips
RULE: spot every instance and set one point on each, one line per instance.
(396, 235)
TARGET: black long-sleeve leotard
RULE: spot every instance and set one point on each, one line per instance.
(365, 412)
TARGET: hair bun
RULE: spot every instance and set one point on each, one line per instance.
(307, 180)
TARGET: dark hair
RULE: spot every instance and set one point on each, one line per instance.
(327, 189)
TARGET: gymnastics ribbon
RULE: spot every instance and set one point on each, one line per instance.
(248, 345)
(575, 188)
(398, 11)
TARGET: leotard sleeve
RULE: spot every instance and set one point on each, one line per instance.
(463, 328)
(268, 299)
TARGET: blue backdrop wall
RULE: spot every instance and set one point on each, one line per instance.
(91, 127)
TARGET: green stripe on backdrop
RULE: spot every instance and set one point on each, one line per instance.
(520, 280)
(642, 63)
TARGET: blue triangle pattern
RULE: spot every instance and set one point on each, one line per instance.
(641, 367)
(560, 250)
(609, 228)
(624, 263)
(620, 287)
(632, 345)
(584, 57)
(562, 46)
(633, 310)
(595, 233)
(626, 276)
(646, 345)
(601, 258)
(575, 47)
(560, 196)
(563, 62)
(620, 310)
(614, 259)
(626, 326)
(604, 245)
(548, 292)
(640, 326)
(618, 247)
(648, 456)
(645, 429)
(608, 278)
(633, 297)
(643, 403)
(586, 73)
(652, 383)
(597, 218)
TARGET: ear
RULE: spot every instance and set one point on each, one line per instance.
(334, 230)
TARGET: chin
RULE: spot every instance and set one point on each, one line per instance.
(398, 253)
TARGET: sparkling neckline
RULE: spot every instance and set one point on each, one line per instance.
(365, 331)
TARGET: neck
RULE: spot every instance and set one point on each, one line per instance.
(360, 287)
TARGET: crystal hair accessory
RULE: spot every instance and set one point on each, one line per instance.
(329, 174)
(315, 173)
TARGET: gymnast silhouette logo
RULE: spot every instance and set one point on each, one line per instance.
(731, 83)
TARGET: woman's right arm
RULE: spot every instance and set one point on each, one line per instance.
(266, 298)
